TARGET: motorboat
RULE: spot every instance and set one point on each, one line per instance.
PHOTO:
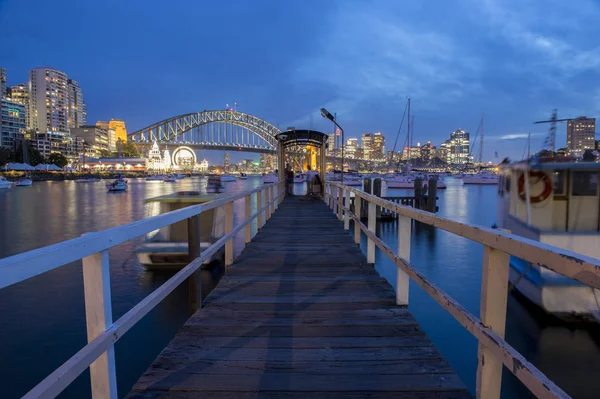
(270, 178)
(170, 179)
(87, 180)
(225, 178)
(119, 184)
(243, 176)
(4, 183)
(24, 182)
(352, 180)
(480, 178)
(299, 178)
(558, 204)
(167, 248)
(155, 178)
(400, 181)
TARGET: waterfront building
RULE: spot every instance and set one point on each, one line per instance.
(330, 144)
(120, 130)
(378, 146)
(12, 122)
(3, 88)
(428, 152)
(20, 93)
(443, 152)
(96, 139)
(77, 116)
(459, 147)
(351, 147)
(581, 135)
(48, 101)
(366, 142)
(359, 153)
(112, 135)
(64, 143)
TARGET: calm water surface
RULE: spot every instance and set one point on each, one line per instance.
(43, 319)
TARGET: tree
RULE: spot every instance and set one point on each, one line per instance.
(35, 157)
(128, 149)
(58, 159)
(106, 153)
(6, 156)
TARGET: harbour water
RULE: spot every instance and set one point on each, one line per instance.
(43, 319)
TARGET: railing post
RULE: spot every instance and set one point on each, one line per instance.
(346, 213)
(259, 218)
(402, 279)
(248, 213)
(98, 317)
(356, 224)
(494, 295)
(228, 228)
(267, 200)
(372, 223)
(195, 280)
(274, 195)
(340, 202)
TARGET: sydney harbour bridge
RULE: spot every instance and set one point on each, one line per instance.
(227, 129)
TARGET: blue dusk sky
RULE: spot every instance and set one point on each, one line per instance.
(281, 60)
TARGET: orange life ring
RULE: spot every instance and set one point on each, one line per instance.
(534, 199)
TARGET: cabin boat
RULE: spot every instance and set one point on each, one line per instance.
(4, 183)
(119, 184)
(167, 248)
(480, 178)
(400, 181)
(555, 203)
(352, 180)
(24, 182)
(270, 178)
(243, 176)
(299, 178)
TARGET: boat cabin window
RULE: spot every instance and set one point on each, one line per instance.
(584, 183)
(559, 182)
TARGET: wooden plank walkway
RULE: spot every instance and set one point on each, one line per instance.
(300, 314)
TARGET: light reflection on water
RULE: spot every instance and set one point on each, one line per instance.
(43, 319)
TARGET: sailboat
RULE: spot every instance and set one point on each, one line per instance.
(482, 177)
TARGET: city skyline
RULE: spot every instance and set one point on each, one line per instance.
(515, 72)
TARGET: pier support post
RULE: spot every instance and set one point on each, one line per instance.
(357, 208)
(248, 213)
(195, 280)
(494, 295)
(372, 224)
(228, 228)
(259, 205)
(346, 213)
(402, 279)
(432, 195)
(98, 317)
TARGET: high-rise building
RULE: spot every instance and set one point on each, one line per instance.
(330, 144)
(3, 91)
(366, 142)
(48, 101)
(581, 135)
(95, 137)
(64, 143)
(444, 151)
(227, 162)
(12, 122)
(378, 149)
(459, 147)
(119, 128)
(427, 152)
(351, 147)
(77, 110)
(20, 93)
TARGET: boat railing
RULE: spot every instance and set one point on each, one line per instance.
(92, 249)
(493, 350)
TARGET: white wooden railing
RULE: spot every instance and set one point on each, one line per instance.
(493, 350)
(92, 248)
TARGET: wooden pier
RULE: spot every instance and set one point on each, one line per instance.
(301, 314)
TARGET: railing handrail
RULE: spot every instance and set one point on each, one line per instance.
(579, 267)
(20, 267)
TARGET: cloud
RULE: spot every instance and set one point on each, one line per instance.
(515, 136)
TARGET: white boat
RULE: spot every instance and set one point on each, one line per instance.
(400, 181)
(167, 248)
(243, 176)
(87, 180)
(270, 178)
(555, 203)
(170, 179)
(480, 178)
(179, 176)
(352, 180)
(299, 178)
(4, 183)
(155, 178)
(119, 184)
(25, 182)
(228, 178)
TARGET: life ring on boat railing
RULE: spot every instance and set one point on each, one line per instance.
(541, 176)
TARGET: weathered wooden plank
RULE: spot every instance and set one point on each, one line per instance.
(303, 315)
(306, 299)
(181, 394)
(319, 306)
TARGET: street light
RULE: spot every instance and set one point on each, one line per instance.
(327, 115)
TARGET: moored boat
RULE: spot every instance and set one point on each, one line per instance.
(243, 176)
(269, 178)
(87, 180)
(4, 183)
(119, 184)
(155, 178)
(170, 179)
(555, 203)
(227, 178)
(24, 182)
(299, 178)
(480, 178)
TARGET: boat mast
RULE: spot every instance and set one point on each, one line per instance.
(481, 141)
(409, 138)
(528, 145)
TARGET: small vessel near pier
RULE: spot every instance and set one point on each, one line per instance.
(24, 182)
(4, 183)
(119, 184)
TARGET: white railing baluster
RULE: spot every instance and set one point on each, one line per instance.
(274, 193)
(372, 225)
(259, 205)
(494, 295)
(267, 200)
(357, 209)
(347, 214)
(228, 228)
(402, 279)
(248, 213)
(340, 202)
(98, 316)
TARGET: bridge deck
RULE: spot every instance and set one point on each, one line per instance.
(300, 314)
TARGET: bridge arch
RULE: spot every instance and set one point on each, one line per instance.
(170, 129)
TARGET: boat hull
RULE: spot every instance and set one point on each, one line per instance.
(23, 183)
(5, 185)
(480, 181)
(269, 179)
(228, 178)
(399, 184)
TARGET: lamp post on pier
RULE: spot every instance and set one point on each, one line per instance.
(326, 114)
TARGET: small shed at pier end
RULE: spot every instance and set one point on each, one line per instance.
(301, 138)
